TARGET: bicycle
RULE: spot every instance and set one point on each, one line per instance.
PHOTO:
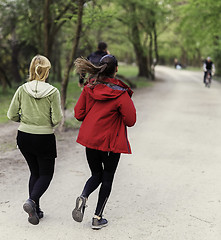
(208, 79)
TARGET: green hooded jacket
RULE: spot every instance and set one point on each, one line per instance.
(37, 106)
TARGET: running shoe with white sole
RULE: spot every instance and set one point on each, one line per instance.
(99, 223)
(78, 212)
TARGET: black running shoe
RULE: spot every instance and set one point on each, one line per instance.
(40, 213)
(30, 208)
(78, 212)
(99, 223)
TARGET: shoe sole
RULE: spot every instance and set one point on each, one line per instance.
(33, 217)
(78, 212)
(99, 227)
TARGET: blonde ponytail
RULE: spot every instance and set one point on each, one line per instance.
(39, 68)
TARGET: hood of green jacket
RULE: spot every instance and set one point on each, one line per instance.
(38, 89)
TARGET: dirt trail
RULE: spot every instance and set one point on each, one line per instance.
(168, 189)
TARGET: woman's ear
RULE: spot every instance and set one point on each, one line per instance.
(116, 70)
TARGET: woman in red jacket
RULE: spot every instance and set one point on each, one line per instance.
(106, 109)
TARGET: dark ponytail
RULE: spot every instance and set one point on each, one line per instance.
(107, 67)
(83, 66)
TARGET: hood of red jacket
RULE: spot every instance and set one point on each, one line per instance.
(109, 89)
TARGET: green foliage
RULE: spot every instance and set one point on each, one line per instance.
(73, 91)
(142, 82)
(128, 71)
(5, 99)
(99, 24)
(187, 30)
(98, 15)
(194, 32)
(217, 57)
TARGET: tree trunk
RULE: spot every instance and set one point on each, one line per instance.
(153, 47)
(4, 80)
(151, 63)
(76, 39)
(59, 75)
(57, 57)
(141, 55)
(15, 53)
(52, 25)
(56, 70)
(155, 44)
(142, 65)
(47, 44)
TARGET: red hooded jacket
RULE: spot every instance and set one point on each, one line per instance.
(105, 109)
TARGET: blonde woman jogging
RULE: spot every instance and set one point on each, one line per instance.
(36, 105)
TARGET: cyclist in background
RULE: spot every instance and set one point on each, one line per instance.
(209, 68)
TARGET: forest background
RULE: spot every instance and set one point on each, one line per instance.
(140, 33)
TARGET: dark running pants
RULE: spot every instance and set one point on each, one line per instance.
(103, 166)
(41, 167)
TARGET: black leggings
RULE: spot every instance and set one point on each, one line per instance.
(41, 166)
(42, 170)
(103, 166)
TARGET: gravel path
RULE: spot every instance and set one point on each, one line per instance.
(168, 189)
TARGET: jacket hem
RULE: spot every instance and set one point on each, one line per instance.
(34, 129)
(104, 149)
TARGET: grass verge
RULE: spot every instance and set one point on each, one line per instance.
(5, 99)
